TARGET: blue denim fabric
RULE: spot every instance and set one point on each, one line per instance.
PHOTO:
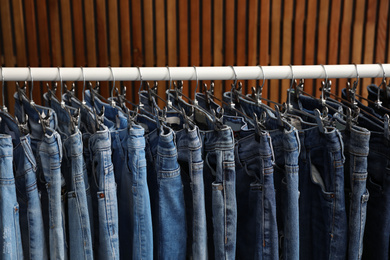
(377, 233)
(286, 148)
(356, 143)
(219, 182)
(166, 191)
(47, 149)
(10, 239)
(373, 96)
(142, 247)
(30, 210)
(257, 233)
(123, 178)
(189, 150)
(105, 198)
(97, 156)
(77, 185)
(323, 219)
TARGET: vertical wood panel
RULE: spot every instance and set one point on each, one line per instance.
(264, 37)
(43, 33)
(31, 30)
(357, 41)
(206, 55)
(229, 54)
(113, 33)
(160, 42)
(299, 20)
(381, 37)
(125, 40)
(369, 40)
(334, 37)
(310, 40)
(90, 32)
(323, 32)
(241, 34)
(218, 41)
(136, 36)
(172, 34)
(252, 36)
(275, 46)
(148, 33)
(345, 40)
(67, 38)
(287, 41)
(183, 40)
(101, 28)
(19, 30)
(195, 36)
(78, 33)
(55, 33)
(6, 31)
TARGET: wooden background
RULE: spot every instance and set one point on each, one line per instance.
(198, 32)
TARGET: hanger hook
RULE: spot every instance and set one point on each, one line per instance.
(262, 72)
(113, 79)
(62, 87)
(235, 76)
(170, 78)
(197, 83)
(141, 78)
(355, 84)
(82, 93)
(32, 85)
(291, 85)
(326, 74)
(383, 72)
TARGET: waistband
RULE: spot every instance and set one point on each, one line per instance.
(217, 139)
(136, 137)
(99, 141)
(358, 137)
(73, 145)
(248, 147)
(312, 138)
(166, 143)
(188, 139)
(36, 130)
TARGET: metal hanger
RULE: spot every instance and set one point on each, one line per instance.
(4, 108)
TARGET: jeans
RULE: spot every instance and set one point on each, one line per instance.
(323, 218)
(142, 247)
(257, 233)
(191, 164)
(30, 210)
(166, 191)
(77, 185)
(123, 178)
(377, 232)
(286, 149)
(356, 143)
(47, 147)
(219, 181)
(373, 96)
(10, 239)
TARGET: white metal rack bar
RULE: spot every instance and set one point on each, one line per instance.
(190, 73)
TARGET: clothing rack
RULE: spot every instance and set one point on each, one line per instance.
(194, 73)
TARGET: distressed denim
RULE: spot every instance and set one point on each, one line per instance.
(30, 210)
(286, 149)
(189, 150)
(142, 247)
(47, 147)
(257, 233)
(10, 239)
(356, 143)
(78, 191)
(377, 233)
(166, 191)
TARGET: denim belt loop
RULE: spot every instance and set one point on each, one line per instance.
(59, 143)
(298, 141)
(341, 144)
(29, 153)
(272, 149)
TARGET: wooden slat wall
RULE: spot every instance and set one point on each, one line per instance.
(75, 33)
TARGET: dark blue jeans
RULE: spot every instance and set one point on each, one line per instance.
(356, 143)
(30, 210)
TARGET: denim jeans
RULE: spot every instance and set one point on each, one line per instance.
(142, 230)
(77, 185)
(219, 182)
(323, 219)
(47, 147)
(97, 156)
(166, 191)
(377, 232)
(373, 96)
(10, 239)
(356, 143)
(257, 233)
(189, 150)
(30, 210)
(123, 178)
(286, 149)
